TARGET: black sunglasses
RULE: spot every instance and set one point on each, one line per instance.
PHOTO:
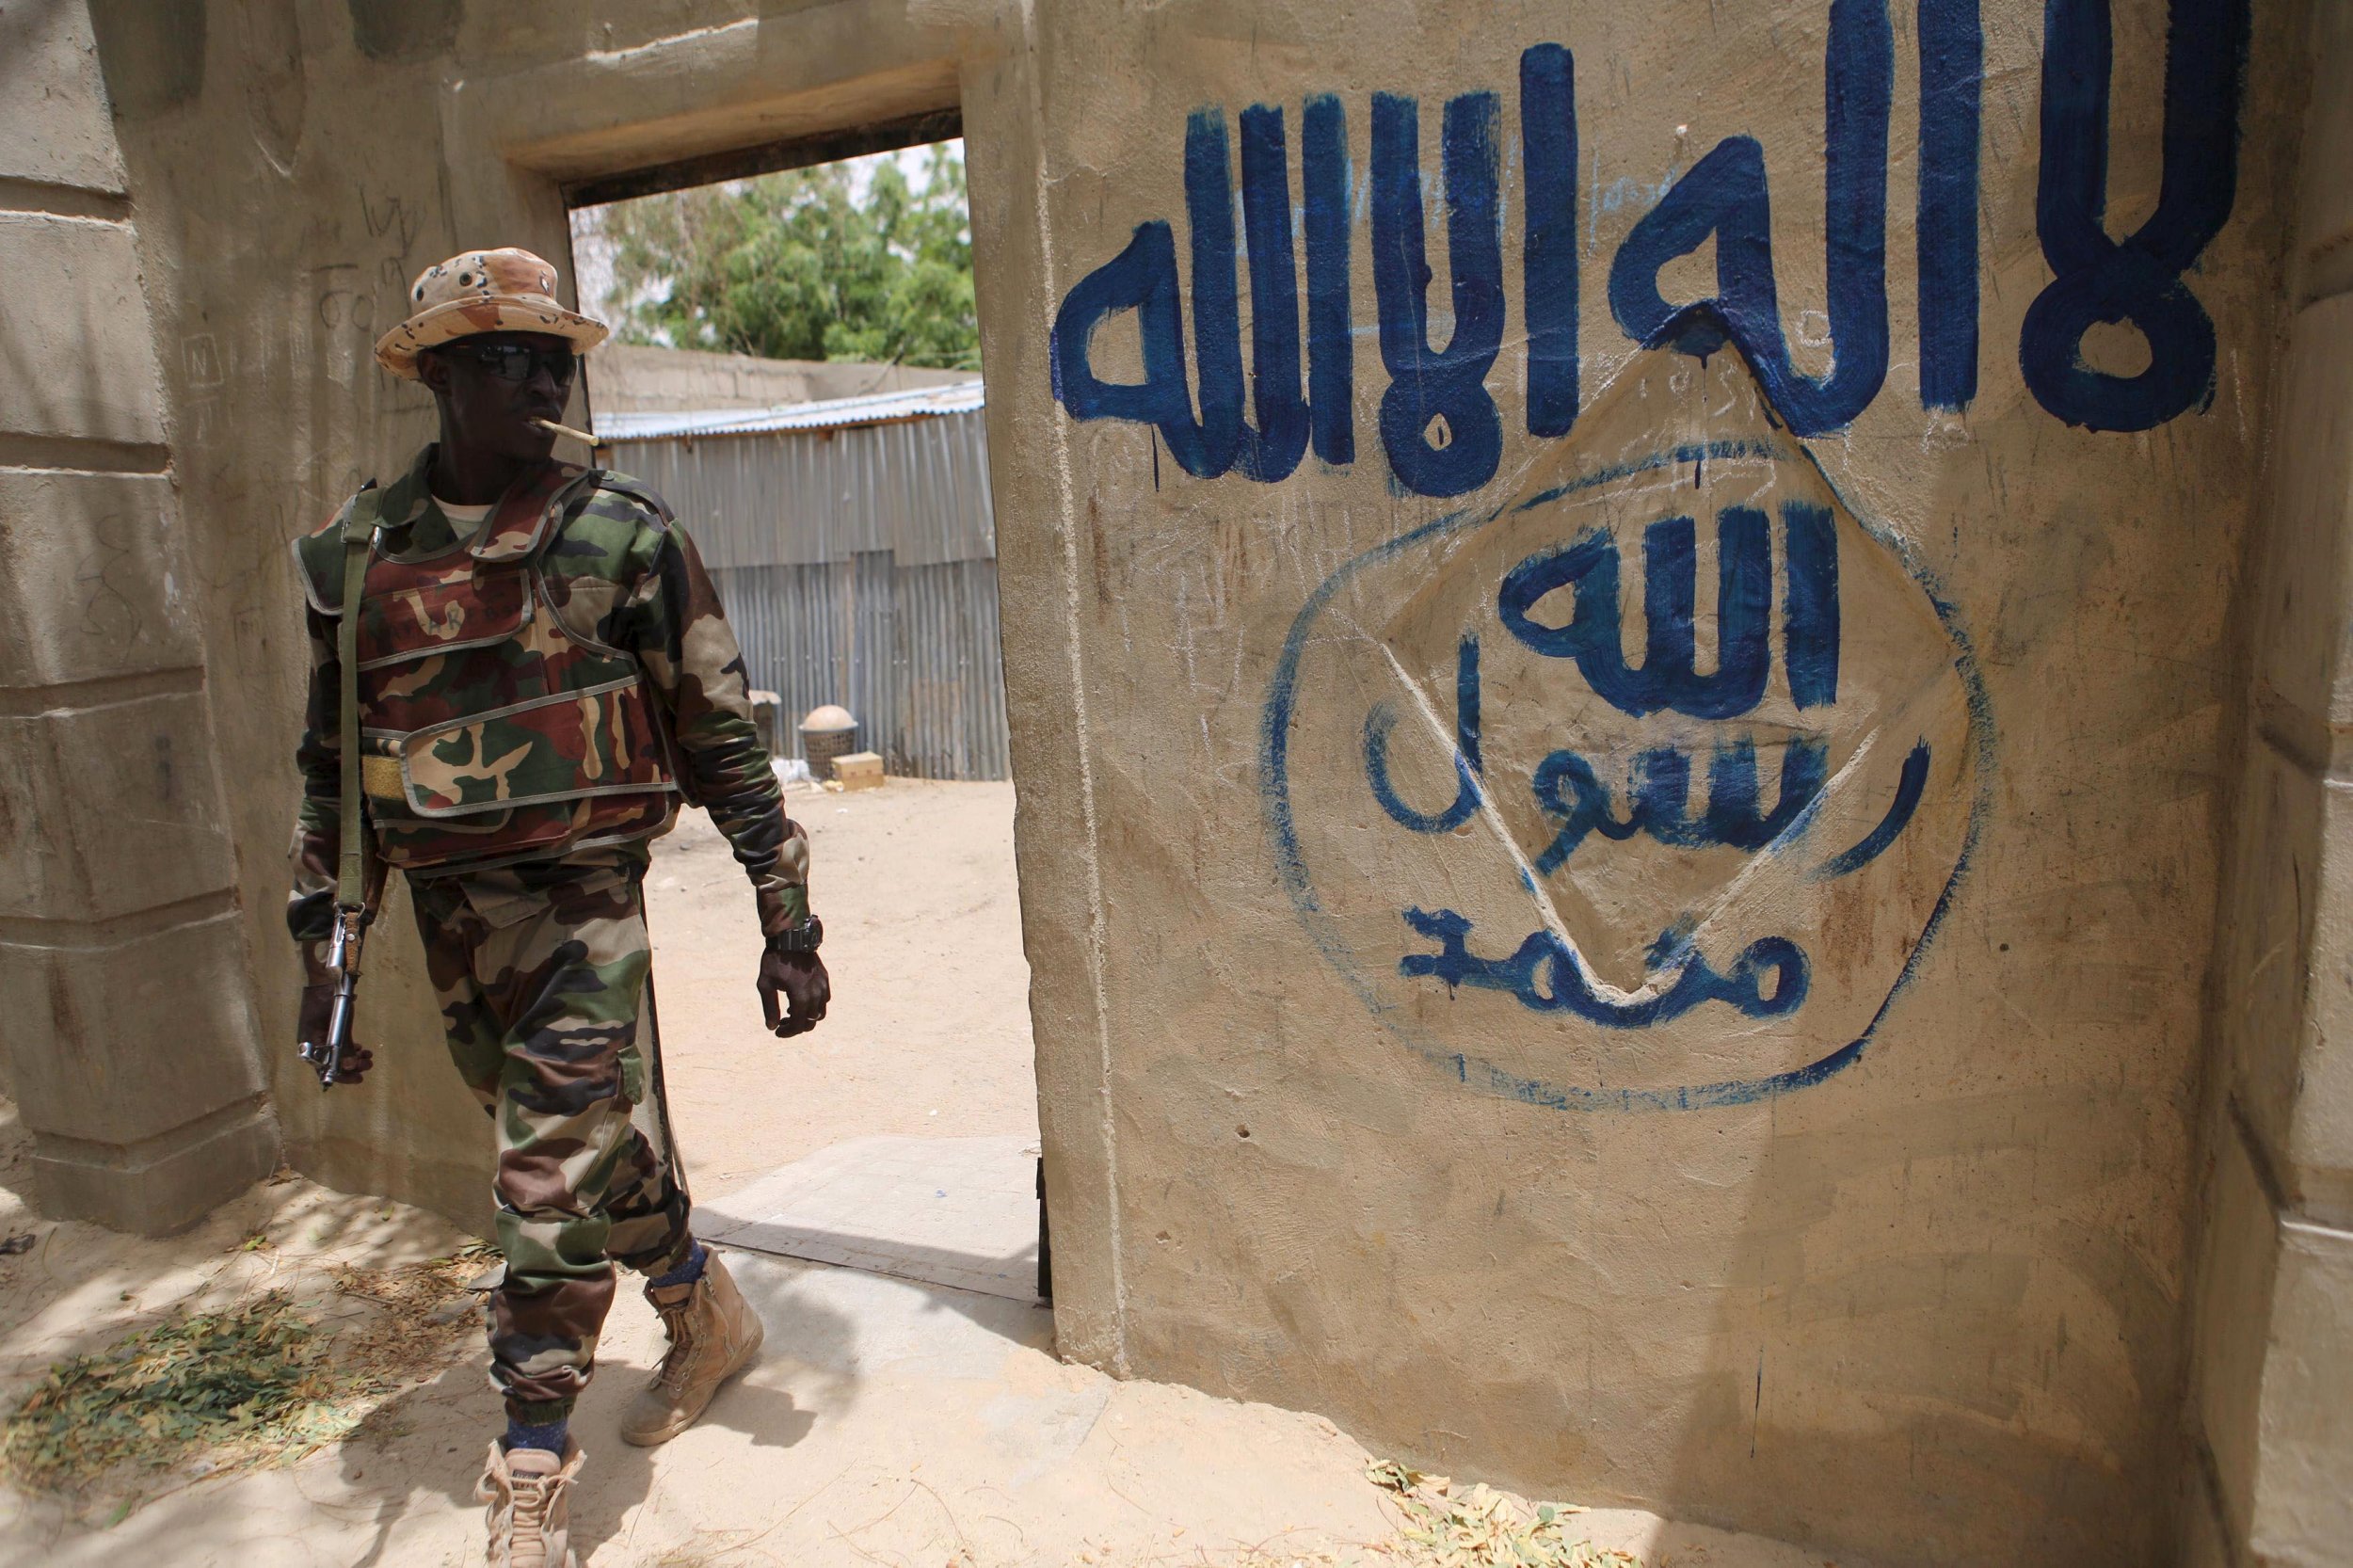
(515, 361)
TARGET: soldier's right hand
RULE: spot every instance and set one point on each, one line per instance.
(318, 1010)
(794, 991)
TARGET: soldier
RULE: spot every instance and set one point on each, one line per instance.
(542, 674)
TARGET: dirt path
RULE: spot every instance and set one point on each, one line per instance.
(929, 1034)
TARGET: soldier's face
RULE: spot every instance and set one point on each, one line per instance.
(493, 386)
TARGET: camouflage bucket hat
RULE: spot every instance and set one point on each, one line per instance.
(482, 291)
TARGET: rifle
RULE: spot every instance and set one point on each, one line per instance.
(325, 1056)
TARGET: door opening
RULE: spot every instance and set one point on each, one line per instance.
(796, 367)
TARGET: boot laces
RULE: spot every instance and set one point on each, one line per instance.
(678, 1362)
(528, 1499)
(528, 1513)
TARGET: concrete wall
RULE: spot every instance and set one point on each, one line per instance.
(629, 378)
(1434, 1083)
(1831, 1171)
(127, 1036)
(294, 163)
(280, 239)
(2272, 1400)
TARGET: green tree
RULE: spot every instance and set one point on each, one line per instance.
(793, 266)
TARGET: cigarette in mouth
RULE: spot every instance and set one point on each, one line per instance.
(583, 436)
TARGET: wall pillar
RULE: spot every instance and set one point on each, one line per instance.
(2272, 1393)
(128, 1037)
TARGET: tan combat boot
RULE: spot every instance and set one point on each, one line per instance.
(714, 1335)
(530, 1515)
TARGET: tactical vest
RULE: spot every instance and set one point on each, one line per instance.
(489, 731)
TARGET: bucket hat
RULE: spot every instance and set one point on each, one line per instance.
(507, 290)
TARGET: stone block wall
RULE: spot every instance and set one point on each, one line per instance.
(292, 167)
(128, 1036)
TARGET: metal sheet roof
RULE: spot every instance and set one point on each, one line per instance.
(916, 485)
(833, 414)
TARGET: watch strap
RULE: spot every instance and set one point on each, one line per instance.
(804, 938)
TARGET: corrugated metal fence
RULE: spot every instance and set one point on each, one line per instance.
(858, 566)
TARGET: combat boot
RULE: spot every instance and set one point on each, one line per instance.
(530, 1514)
(714, 1335)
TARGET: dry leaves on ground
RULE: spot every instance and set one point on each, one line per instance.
(1482, 1527)
(1477, 1528)
(265, 1382)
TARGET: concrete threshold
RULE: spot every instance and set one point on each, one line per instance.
(961, 1212)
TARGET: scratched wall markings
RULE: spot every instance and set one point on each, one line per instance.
(1646, 789)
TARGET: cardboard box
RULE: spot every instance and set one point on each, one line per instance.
(859, 770)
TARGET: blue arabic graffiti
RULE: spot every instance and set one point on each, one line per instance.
(1668, 678)
(1440, 429)
(1381, 720)
(1565, 785)
(2100, 279)
(1438, 422)
(1543, 972)
(1873, 845)
(1546, 974)
(1548, 255)
(1952, 94)
(1725, 195)
(1658, 794)
(1143, 278)
(1658, 797)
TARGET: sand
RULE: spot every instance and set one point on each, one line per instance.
(929, 1032)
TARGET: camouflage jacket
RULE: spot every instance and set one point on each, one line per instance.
(546, 688)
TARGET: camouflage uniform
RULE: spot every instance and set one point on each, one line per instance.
(535, 702)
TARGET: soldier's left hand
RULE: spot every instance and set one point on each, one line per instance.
(799, 981)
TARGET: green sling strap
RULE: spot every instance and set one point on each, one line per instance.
(351, 875)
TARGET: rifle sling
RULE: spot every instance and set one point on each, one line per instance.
(351, 874)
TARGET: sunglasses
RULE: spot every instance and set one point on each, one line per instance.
(515, 361)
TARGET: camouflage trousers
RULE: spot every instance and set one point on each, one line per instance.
(539, 968)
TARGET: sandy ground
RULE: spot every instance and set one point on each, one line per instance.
(887, 1423)
(929, 1032)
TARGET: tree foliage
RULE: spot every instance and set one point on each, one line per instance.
(795, 267)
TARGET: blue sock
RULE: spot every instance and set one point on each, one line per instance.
(552, 1436)
(685, 1273)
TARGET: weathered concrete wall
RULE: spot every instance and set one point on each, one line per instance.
(633, 379)
(289, 169)
(1528, 1092)
(295, 163)
(127, 1031)
(1519, 1089)
(2272, 1394)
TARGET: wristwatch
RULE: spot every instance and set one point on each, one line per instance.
(804, 938)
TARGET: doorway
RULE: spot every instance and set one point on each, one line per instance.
(796, 367)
